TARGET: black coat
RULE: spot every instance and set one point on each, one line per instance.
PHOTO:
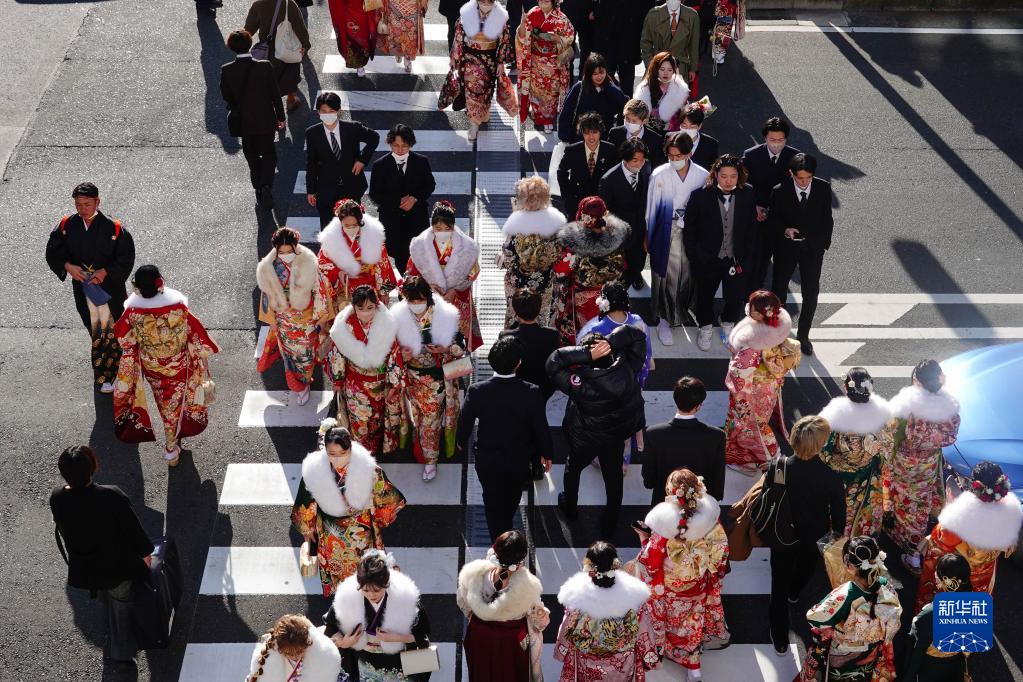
(388, 185)
(105, 542)
(685, 443)
(324, 173)
(765, 174)
(512, 433)
(653, 140)
(814, 222)
(574, 177)
(617, 27)
(604, 404)
(816, 497)
(608, 103)
(703, 231)
(450, 8)
(625, 202)
(706, 152)
(253, 100)
(538, 343)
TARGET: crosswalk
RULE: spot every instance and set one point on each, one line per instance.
(251, 576)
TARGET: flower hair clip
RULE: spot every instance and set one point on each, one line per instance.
(603, 305)
(492, 558)
(949, 584)
(592, 571)
(991, 494)
(326, 425)
(388, 557)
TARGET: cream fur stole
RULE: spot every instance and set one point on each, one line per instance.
(360, 477)
(443, 327)
(917, 401)
(465, 253)
(663, 519)
(671, 102)
(545, 222)
(165, 298)
(984, 525)
(399, 611)
(380, 339)
(627, 594)
(523, 591)
(321, 662)
(859, 419)
(759, 336)
(304, 276)
(371, 243)
(492, 27)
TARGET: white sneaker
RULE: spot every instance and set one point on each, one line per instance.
(693, 675)
(429, 472)
(107, 387)
(474, 130)
(361, 72)
(726, 331)
(664, 334)
(703, 340)
(408, 66)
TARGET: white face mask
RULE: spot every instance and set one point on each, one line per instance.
(691, 132)
(725, 190)
(328, 119)
(775, 148)
(417, 308)
(678, 165)
(287, 257)
(400, 158)
(673, 5)
(633, 128)
(351, 231)
(442, 237)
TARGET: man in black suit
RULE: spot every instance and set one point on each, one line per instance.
(400, 186)
(687, 442)
(705, 147)
(104, 545)
(720, 226)
(512, 437)
(636, 113)
(538, 342)
(449, 10)
(584, 163)
(801, 225)
(767, 165)
(254, 112)
(336, 153)
(624, 190)
(617, 25)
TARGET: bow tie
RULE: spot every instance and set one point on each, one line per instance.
(725, 196)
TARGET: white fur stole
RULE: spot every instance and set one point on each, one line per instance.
(984, 525)
(380, 339)
(514, 602)
(399, 611)
(545, 222)
(464, 255)
(749, 333)
(491, 28)
(627, 594)
(443, 326)
(165, 298)
(304, 275)
(917, 401)
(360, 477)
(859, 419)
(371, 244)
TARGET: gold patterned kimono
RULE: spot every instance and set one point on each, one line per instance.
(531, 250)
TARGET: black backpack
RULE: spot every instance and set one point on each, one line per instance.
(771, 515)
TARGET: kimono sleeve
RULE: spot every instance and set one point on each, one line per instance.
(458, 44)
(387, 500)
(303, 513)
(421, 628)
(57, 253)
(199, 340)
(387, 279)
(922, 434)
(563, 646)
(505, 51)
(646, 639)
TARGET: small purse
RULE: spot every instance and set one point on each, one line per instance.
(416, 661)
(382, 28)
(456, 369)
(308, 560)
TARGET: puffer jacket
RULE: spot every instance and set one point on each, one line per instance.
(604, 404)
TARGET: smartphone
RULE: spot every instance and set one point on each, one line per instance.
(640, 526)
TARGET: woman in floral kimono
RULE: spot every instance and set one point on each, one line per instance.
(429, 337)
(923, 661)
(343, 501)
(289, 278)
(607, 634)
(404, 19)
(762, 354)
(683, 562)
(855, 449)
(543, 47)
(352, 253)
(162, 341)
(981, 524)
(853, 627)
(926, 419)
(729, 25)
(593, 257)
(531, 247)
(356, 31)
(368, 373)
(501, 600)
(448, 259)
(481, 48)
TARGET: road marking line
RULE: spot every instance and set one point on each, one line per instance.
(264, 409)
(882, 314)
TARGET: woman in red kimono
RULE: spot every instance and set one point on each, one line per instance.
(368, 372)
(543, 45)
(356, 31)
(448, 259)
(164, 342)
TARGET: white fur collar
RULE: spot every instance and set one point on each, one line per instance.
(523, 591)
(464, 255)
(492, 27)
(663, 519)
(984, 525)
(165, 298)
(759, 336)
(859, 419)
(671, 102)
(304, 275)
(399, 611)
(545, 222)
(380, 339)
(443, 326)
(334, 246)
(360, 477)
(627, 594)
(917, 401)
(321, 662)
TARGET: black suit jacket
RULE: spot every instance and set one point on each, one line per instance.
(816, 496)
(512, 433)
(706, 152)
(814, 221)
(574, 177)
(538, 343)
(625, 202)
(324, 172)
(255, 104)
(765, 174)
(653, 140)
(105, 542)
(685, 443)
(703, 231)
(388, 185)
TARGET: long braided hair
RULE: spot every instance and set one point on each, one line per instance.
(290, 633)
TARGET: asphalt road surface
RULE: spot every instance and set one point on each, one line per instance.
(914, 130)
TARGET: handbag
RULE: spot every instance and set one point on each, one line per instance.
(261, 50)
(456, 369)
(771, 513)
(382, 28)
(308, 559)
(416, 661)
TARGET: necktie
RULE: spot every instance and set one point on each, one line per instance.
(401, 167)
(333, 145)
(591, 162)
(774, 159)
(802, 199)
(674, 22)
(726, 199)
(633, 179)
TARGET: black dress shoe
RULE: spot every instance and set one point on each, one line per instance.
(806, 346)
(266, 197)
(570, 513)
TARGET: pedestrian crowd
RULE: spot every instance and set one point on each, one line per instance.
(385, 311)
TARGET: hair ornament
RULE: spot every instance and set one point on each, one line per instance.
(949, 584)
(159, 284)
(592, 571)
(388, 557)
(327, 424)
(492, 558)
(991, 494)
(603, 305)
(446, 204)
